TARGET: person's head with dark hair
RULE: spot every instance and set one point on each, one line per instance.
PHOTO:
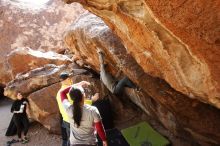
(65, 77)
(19, 96)
(78, 97)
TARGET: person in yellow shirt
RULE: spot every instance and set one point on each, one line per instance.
(64, 120)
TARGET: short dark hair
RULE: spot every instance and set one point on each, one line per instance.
(64, 75)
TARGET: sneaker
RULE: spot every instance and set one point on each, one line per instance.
(26, 138)
(24, 141)
(138, 89)
(12, 141)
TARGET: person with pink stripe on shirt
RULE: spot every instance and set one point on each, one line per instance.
(84, 119)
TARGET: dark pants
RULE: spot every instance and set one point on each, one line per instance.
(65, 133)
(116, 87)
(82, 145)
(105, 111)
(110, 82)
(124, 82)
(22, 123)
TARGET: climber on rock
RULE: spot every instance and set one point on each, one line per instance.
(114, 86)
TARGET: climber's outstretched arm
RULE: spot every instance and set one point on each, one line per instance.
(107, 79)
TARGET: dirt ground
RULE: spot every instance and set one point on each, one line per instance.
(39, 136)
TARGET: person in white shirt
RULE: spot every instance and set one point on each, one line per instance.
(84, 119)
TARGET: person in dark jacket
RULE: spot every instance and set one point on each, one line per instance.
(20, 118)
(105, 110)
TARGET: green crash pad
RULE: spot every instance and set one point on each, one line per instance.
(143, 134)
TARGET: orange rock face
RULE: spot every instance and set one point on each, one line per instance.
(189, 119)
(177, 41)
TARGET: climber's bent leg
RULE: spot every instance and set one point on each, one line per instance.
(125, 82)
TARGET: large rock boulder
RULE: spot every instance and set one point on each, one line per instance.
(189, 119)
(44, 108)
(22, 24)
(25, 59)
(36, 79)
(35, 24)
(177, 41)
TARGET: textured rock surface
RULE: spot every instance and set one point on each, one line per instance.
(44, 109)
(35, 28)
(35, 79)
(39, 28)
(175, 40)
(25, 59)
(190, 119)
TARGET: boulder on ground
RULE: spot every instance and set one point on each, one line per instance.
(35, 80)
(25, 59)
